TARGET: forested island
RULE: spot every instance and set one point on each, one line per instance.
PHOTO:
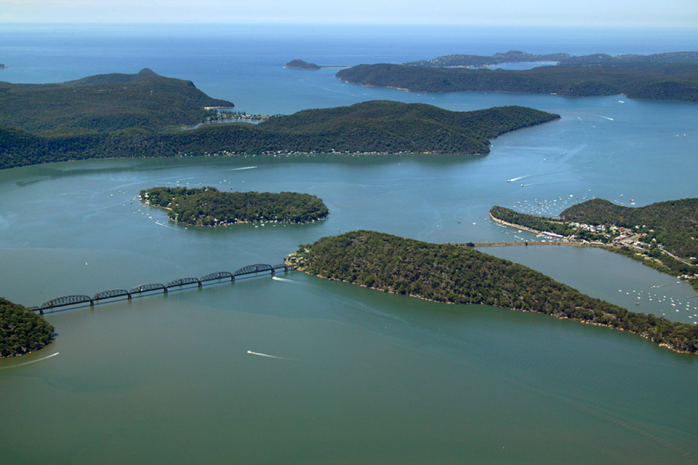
(207, 206)
(461, 275)
(562, 59)
(21, 331)
(663, 235)
(128, 116)
(300, 64)
(651, 80)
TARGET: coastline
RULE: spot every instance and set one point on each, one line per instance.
(650, 262)
(147, 204)
(644, 336)
(498, 221)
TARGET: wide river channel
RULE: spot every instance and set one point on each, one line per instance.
(341, 374)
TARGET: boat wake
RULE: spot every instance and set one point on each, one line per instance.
(243, 168)
(259, 354)
(518, 179)
(275, 278)
(29, 363)
(164, 225)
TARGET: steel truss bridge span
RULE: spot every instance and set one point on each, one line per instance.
(109, 294)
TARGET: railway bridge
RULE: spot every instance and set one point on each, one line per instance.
(249, 270)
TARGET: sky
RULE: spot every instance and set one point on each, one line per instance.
(576, 13)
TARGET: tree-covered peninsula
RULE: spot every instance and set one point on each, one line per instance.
(369, 127)
(663, 235)
(207, 206)
(640, 80)
(21, 331)
(461, 275)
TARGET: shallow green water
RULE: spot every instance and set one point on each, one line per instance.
(361, 376)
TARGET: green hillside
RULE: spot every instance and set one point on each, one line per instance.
(460, 275)
(368, 127)
(651, 80)
(140, 103)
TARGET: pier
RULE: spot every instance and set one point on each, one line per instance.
(160, 288)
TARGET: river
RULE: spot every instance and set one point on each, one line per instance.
(338, 373)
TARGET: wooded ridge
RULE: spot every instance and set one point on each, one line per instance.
(650, 80)
(368, 127)
(461, 275)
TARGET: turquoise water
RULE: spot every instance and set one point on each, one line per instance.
(359, 376)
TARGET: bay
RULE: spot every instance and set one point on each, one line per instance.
(361, 376)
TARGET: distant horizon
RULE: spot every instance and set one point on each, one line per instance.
(220, 24)
(347, 23)
(533, 13)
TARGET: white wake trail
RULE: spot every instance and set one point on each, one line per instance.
(29, 363)
(249, 352)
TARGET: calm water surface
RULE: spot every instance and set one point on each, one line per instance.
(357, 376)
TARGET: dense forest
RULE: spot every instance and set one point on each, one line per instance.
(461, 275)
(641, 80)
(207, 206)
(21, 331)
(368, 127)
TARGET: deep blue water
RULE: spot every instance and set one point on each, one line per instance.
(244, 63)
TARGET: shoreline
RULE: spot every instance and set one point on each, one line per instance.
(663, 345)
(147, 204)
(613, 248)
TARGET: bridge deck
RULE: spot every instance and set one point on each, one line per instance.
(150, 287)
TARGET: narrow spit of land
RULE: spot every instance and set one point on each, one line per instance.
(461, 275)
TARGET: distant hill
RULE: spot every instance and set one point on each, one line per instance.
(564, 59)
(368, 127)
(300, 64)
(642, 80)
(474, 61)
(110, 103)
